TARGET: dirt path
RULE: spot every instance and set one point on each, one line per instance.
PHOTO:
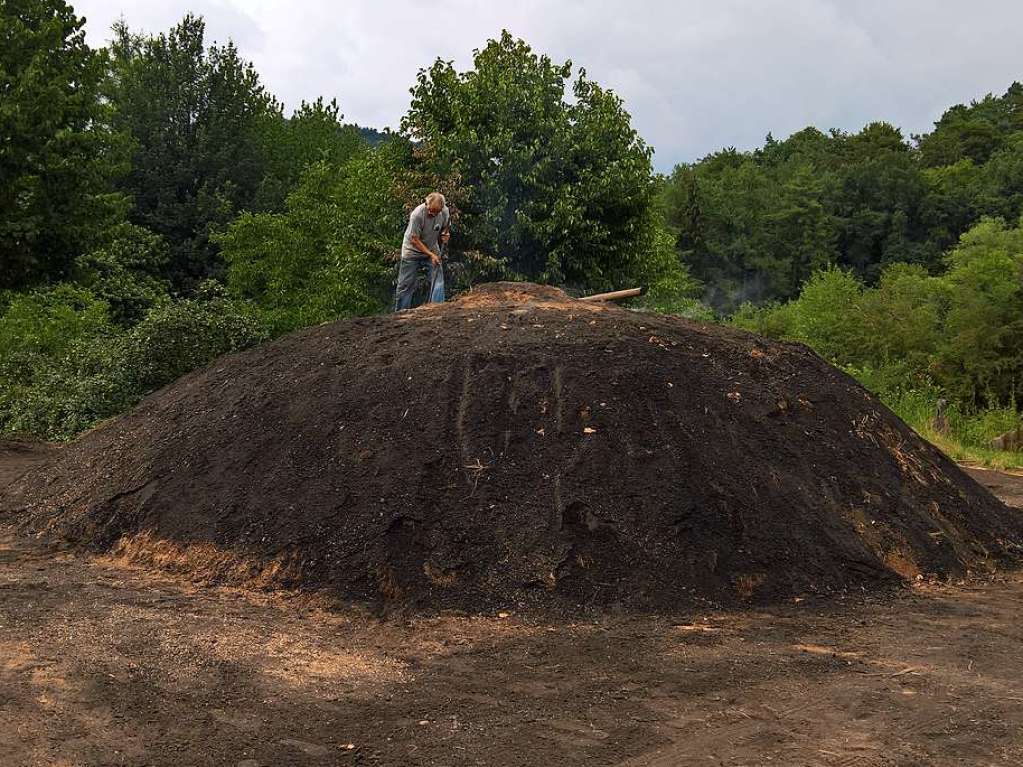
(1007, 486)
(102, 664)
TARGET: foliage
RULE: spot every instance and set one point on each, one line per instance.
(975, 132)
(179, 336)
(65, 364)
(57, 151)
(670, 289)
(754, 226)
(209, 141)
(962, 330)
(57, 351)
(196, 116)
(981, 355)
(124, 271)
(331, 253)
(558, 190)
(314, 133)
(44, 323)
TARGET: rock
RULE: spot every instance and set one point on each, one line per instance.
(1010, 441)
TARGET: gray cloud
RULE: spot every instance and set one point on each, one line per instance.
(696, 76)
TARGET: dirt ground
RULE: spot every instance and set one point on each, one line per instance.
(102, 663)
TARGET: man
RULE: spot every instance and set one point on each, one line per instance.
(428, 228)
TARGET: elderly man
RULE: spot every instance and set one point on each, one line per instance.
(429, 227)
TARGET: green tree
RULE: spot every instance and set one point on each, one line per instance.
(830, 316)
(877, 203)
(974, 132)
(325, 256)
(903, 320)
(752, 227)
(198, 118)
(57, 151)
(755, 225)
(314, 132)
(981, 354)
(801, 232)
(558, 191)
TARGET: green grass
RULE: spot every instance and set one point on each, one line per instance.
(969, 433)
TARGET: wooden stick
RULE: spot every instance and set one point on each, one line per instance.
(615, 295)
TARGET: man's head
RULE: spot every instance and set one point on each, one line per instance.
(434, 203)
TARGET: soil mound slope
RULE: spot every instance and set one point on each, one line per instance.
(518, 446)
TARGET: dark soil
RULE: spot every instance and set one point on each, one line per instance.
(20, 456)
(517, 447)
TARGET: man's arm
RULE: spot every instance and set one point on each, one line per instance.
(421, 247)
(445, 233)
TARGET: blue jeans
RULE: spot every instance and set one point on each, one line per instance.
(408, 269)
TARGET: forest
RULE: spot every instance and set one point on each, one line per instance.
(159, 208)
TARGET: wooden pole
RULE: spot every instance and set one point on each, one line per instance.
(615, 295)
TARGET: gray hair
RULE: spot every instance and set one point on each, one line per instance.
(433, 197)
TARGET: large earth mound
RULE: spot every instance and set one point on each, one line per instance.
(518, 446)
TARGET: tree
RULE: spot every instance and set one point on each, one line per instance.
(314, 133)
(557, 191)
(57, 151)
(323, 257)
(198, 117)
(755, 225)
(974, 132)
(903, 319)
(878, 200)
(961, 331)
(981, 355)
(801, 231)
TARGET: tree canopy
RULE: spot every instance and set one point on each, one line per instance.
(557, 189)
(58, 154)
(756, 225)
(196, 116)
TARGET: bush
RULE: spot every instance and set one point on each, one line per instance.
(59, 363)
(969, 430)
(773, 320)
(829, 316)
(124, 272)
(330, 254)
(179, 336)
(65, 364)
(670, 289)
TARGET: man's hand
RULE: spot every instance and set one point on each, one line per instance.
(435, 259)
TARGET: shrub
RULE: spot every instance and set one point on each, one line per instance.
(65, 364)
(179, 336)
(330, 254)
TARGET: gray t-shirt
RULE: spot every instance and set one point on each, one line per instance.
(426, 228)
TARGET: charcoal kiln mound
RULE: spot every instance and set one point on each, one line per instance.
(519, 447)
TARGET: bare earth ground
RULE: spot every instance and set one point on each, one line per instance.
(105, 664)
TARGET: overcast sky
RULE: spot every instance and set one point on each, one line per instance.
(695, 75)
